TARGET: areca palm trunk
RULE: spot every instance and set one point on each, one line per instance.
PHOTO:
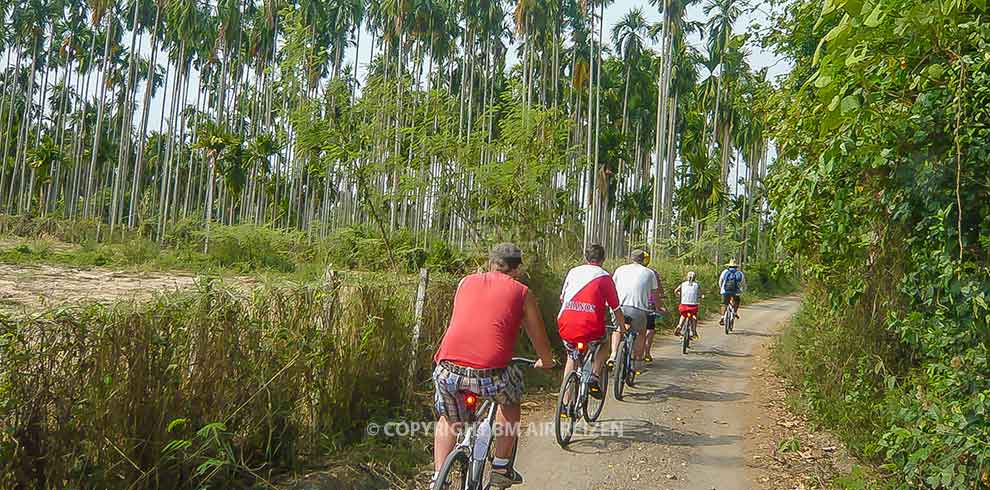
(22, 132)
(136, 183)
(99, 121)
(10, 117)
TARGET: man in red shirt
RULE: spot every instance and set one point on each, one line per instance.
(588, 293)
(475, 352)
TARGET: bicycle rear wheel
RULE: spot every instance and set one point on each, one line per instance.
(686, 337)
(630, 350)
(455, 474)
(564, 426)
(727, 320)
(593, 407)
(620, 371)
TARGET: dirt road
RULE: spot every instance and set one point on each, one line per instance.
(681, 427)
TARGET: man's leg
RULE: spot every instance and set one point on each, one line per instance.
(603, 353)
(444, 438)
(616, 339)
(639, 346)
(568, 369)
(735, 304)
(508, 423)
(721, 310)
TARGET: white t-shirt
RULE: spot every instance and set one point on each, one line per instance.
(634, 282)
(690, 292)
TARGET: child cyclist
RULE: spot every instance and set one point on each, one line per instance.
(690, 292)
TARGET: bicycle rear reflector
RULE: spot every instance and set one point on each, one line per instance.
(581, 346)
(470, 400)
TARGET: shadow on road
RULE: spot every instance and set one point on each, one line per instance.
(620, 434)
(715, 351)
(753, 333)
(685, 393)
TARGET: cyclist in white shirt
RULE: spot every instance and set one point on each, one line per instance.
(634, 283)
(690, 292)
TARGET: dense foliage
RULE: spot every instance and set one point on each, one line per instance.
(884, 194)
(144, 115)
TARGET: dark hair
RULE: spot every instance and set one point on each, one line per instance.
(506, 257)
(595, 254)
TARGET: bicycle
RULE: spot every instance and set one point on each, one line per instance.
(689, 331)
(577, 389)
(730, 317)
(467, 467)
(624, 372)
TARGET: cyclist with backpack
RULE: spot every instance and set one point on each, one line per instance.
(732, 283)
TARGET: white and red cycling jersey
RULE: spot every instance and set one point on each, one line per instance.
(587, 295)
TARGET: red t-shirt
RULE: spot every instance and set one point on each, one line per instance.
(488, 310)
(588, 291)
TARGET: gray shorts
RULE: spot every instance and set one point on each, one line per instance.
(635, 317)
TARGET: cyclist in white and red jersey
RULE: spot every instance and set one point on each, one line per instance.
(587, 295)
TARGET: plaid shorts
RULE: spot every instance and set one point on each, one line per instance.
(573, 353)
(450, 382)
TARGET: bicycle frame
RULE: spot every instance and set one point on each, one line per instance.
(481, 417)
(584, 367)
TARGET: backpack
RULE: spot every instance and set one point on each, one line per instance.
(732, 280)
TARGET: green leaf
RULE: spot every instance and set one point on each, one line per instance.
(818, 52)
(210, 428)
(874, 18)
(176, 424)
(835, 103)
(823, 81)
(935, 71)
(849, 103)
(838, 30)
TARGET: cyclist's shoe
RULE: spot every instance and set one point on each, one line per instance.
(505, 477)
(595, 388)
(677, 332)
(648, 359)
(721, 321)
(737, 316)
(564, 412)
(610, 363)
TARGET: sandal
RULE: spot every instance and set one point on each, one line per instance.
(504, 477)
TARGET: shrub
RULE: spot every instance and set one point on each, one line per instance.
(212, 387)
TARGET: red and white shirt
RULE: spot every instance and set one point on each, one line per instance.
(588, 292)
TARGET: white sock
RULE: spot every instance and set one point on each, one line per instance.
(500, 463)
(436, 474)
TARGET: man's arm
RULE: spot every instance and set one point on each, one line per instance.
(620, 319)
(537, 331)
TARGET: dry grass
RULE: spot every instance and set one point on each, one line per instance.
(207, 387)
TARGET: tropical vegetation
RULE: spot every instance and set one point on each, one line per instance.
(455, 120)
(882, 192)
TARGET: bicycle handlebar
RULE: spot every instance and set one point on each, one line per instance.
(523, 361)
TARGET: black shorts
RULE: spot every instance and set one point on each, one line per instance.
(651, 321)
(727, 296)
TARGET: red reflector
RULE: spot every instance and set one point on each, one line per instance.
(470, 400)
(581, 346)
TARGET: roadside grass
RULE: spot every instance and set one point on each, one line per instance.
(840, 384)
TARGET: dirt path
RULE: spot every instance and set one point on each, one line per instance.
(31, 287)
(682, 427)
